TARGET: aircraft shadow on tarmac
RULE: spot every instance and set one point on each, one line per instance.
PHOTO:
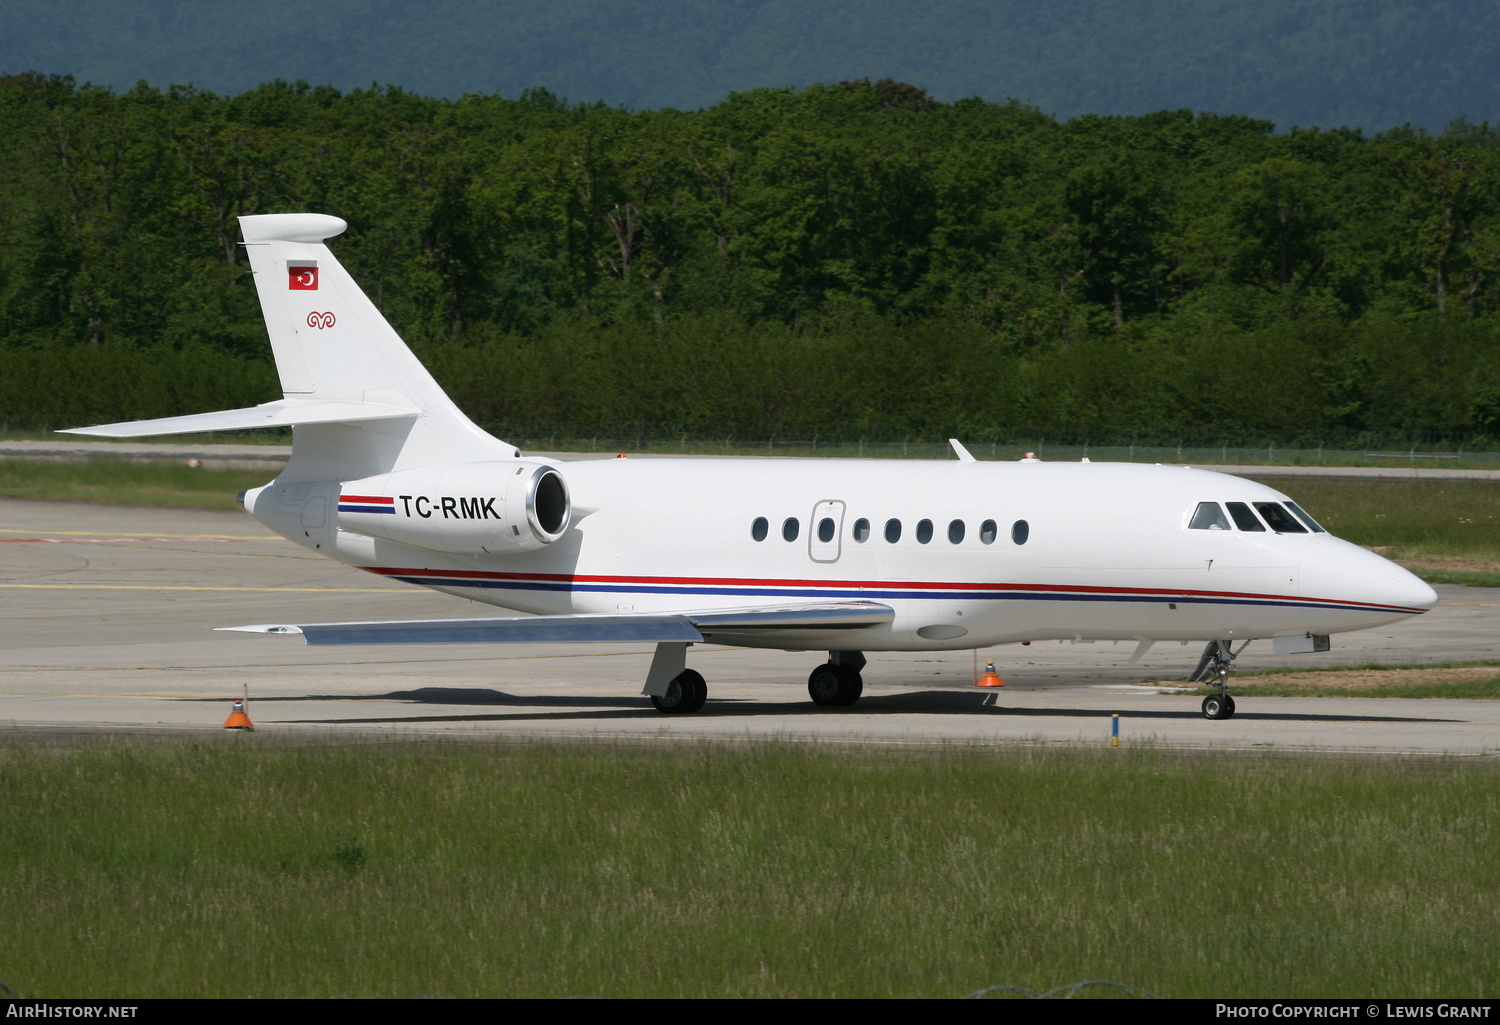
(535, 708)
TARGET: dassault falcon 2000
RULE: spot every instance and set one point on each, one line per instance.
(842, 556)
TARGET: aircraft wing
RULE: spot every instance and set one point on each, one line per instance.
(653, 626)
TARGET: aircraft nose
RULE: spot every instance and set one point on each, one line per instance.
(1422, 592)
(1401, 588)
(1366, 586)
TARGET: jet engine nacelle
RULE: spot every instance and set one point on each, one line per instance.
(465, 508)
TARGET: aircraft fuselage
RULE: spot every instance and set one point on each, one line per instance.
(968, 554)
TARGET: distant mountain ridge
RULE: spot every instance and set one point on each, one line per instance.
(1371, 65)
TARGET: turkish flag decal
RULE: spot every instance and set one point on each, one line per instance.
(302, 277)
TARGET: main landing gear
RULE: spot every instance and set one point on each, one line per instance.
(833, 685)
(1213, 670)
(837, 681)
(686, 693)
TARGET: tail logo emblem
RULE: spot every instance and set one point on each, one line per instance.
(321, 320)
(302, 277)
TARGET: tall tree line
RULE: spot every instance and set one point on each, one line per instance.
(854, 253)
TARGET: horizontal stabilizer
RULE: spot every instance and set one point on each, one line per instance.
(655, 627)
(282, 413)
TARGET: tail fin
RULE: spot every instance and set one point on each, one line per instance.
(360, 403)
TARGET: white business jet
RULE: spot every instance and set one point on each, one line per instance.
(838, 555)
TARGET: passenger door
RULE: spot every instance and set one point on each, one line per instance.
(825, 535)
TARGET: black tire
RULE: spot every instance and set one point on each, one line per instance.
(1229, 707)
(1216, 707)
(832, 685)
(686, 693)
(700, 689)
(856, 687)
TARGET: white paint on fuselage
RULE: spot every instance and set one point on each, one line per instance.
(1109, 555)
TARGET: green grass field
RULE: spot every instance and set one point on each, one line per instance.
(251, 867)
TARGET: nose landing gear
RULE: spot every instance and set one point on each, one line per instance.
(1218, 706)
(1213, 669)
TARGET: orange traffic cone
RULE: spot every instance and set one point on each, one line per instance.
(990, 677)
(238, 720)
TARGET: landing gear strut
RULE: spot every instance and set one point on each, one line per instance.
(837, 682)
(1213, 670)
(686, 693)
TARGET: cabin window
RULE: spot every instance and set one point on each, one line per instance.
(988, 531)
(791, 528)
(825, 530)
(893, 531)
(924, 531)
(956, 532)
(1279, 519)
(1301, 514)
(861, 530)
(1020, 531)
(760, 528)
(1208, 516)
(1243, 517)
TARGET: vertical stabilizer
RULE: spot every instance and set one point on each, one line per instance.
(332, 345)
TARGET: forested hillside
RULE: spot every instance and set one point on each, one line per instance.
(855, 253)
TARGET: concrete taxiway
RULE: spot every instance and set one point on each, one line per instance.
(107, 617)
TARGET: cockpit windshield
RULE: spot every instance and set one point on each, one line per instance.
(1280, 520)
(1244, 518)
(1208, 516)
(1301, 514)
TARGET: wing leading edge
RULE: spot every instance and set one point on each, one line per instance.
(687, 627)
(282, 413)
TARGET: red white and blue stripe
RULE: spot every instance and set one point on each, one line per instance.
(753, 587)
(367, 504)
